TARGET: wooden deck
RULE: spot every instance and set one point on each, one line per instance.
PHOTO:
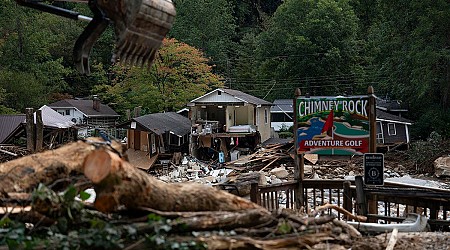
(387, 204)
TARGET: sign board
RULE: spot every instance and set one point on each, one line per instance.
(374, 169)
(332, 125)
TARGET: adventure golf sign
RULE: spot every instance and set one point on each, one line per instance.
(333, 125)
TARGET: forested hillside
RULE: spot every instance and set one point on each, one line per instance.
(265, 48)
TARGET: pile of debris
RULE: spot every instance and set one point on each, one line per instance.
(271, 164)
(10, 152)
(40, 207)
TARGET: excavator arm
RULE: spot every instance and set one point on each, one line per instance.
(139, 25)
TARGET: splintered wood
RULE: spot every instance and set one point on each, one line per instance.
(265, 159)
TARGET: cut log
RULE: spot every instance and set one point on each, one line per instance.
(25, 173)
(119, 183)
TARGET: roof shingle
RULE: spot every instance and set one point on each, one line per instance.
(85, 106)
(160, 123)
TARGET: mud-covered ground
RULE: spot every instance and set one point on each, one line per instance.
(406, 241)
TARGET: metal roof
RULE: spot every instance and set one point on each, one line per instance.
(234, 95)
(85, 106)
(282, 106)
(160, 123)
(246, 97)
(8, 124)
(383, 116)
(53, 119)
(390, 105)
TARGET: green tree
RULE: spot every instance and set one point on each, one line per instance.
(208, 25)
(180, 73)
(308, 43)
(3, 108)
(410, 49)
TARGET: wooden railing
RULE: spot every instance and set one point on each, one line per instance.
(388, 204)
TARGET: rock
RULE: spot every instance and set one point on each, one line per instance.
(442, 166)
(308, 169)
(280, 172)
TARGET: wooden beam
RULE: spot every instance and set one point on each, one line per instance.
(372, 121)
(39, 131)
(299, 162)
(30, 129)
(360, 196)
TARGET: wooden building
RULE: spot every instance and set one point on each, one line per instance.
(151, 136)
(225, 119)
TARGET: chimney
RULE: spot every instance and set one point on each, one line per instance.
(96, 103)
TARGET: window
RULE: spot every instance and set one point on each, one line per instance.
(67, 111)
(391, 129)
(266, 116)
(257, 117)
(380, 139)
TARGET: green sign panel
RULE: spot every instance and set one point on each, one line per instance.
(333, 125)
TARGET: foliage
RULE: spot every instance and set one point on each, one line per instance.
(76, 227)
(4, 109)
(286, 132)
(208, 25)
(411, 55)
(307, 39)
(179, 74)
(424, 152)
(22, 90)
(264, 48)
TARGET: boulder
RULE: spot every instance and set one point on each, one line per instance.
(280, 172)
(442, 166)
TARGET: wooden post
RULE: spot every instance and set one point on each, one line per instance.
(128, 114)
(347, 197)
(372, 203)
(254, 194)
(433, 215)
(360, 196)
(39, 131)
(299, 162)
(372, 121)
(137, 111)
(30, 129)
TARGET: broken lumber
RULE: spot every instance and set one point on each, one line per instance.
(240, 185)
(359, 218)
(392, 240)
(117, 183)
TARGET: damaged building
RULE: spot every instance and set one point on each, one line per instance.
(227, 123)
(156, 136)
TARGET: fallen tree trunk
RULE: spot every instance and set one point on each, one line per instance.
(25, 173)
(119, 183)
